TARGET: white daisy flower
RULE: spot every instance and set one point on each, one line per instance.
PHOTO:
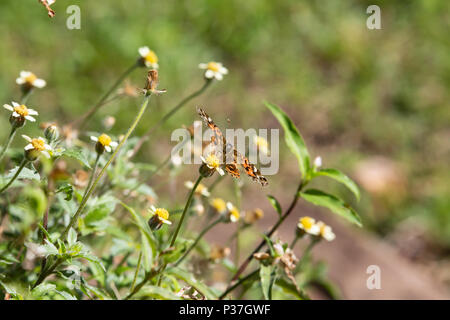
(213, 163)
(37, 144)
(21, 111)
(326, 232)
(29, 79)
(159, 217)
(309, 225)
(148, 57)
(213, 70)
(201, 190)
(233, 212)
(317, 162)
(104, 142)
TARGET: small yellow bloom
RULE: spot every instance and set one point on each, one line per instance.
(29, 79)
(160, 216)
(201, 190)
(309, 225)
(35, 147)
(21, 111)
(149, 57)
(326, 232)
(213, 70)
(219, 205)
(233, 212)
(104, 142)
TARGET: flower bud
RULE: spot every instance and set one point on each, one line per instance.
(206, 171)
(51, 133)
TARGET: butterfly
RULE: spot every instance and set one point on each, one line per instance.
(229, 151)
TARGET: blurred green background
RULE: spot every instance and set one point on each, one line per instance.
(373, 103)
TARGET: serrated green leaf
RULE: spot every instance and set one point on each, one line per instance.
(43, 289)
(78, 154)
(50, 248)
(274, 202)
(293, 138)
(190, 280)
(156, 292)
(66, 295)
(26, 173)
(67, 189)
(342, 178)
(336, 205)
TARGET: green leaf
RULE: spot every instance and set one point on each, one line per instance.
(190, 280)
(180, 248)
(342, 178)
(92, 258)
(78, 154)
(24, 174)
(71, 237)
(336, 205)
(274, 202)
(267, 276)
(293, 138)
(290, 288)
(43, 289)
(157, 292)
(65, 295)
(50, 248)
(67, 189)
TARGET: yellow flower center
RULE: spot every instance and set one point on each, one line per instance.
(307, 222)
(104, 139)
(22, 110)
(212, 161)
(151, 57)
(162, 213)
(213, 66)
(235, 213)
(31, 78)
(38, 144)
(200, 188)
(218, 204)
(261, 142)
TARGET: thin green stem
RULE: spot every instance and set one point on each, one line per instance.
(200, 235)
(45, 273)
(180, 223)
(25, 96)
(168, 115)
(102, 172)
(22, 165)
(91, 179)
(138, 267)
(241, 281)
(85, 118)
(147, 277)
(8, 142)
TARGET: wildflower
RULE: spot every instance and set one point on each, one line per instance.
(233, 214)
(20, 113)
(219, 253)
(252, 216)
(326, 232)
(51, 133)
(28, 80)
(35, 147)
(317, 162)
(285, 255)
(219, 205)
(308, 225)
(210, 164)
(104, 142)
(201, 190)
(148, 58)
(159, 217)
(213, 70)
(261, 143)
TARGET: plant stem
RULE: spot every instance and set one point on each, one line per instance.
(22, 165)
(148, 277)
(102, 172)
(237, 284)
(92, 175)
(85, 118)
(269, 234)
(25, 96)
(8, 142)
(200, 235)
(45, 273)
(168, 115)
(138, 267)
(183, 215)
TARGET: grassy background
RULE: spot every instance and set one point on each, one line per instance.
(355, 94)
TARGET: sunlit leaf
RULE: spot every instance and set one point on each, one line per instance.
(274, 202)
(342, 178)
(78, 154)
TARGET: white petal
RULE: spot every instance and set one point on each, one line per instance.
(203, 65)
(24, 74)
(233, 218)
(189, 184)
(15, 104)
(152, 208)
(114, 144)
(315, 230)
(229, 206)
(39, 83)
(318, 162)
(223, 70)
(32, 112)
(46, 154)
(26, 138)
(20, 81)
(15, 114)
(209, 74)
(29, 147)
(143, 51)
(94, 138)
(8, 107)
(30, 118)
(155, 65)
(203, 159)
(220, 171)
(47, 147)
(218, 76)
(108, 148)
(50, 2)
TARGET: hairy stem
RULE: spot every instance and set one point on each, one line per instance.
(8, 142)
(22, 165)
